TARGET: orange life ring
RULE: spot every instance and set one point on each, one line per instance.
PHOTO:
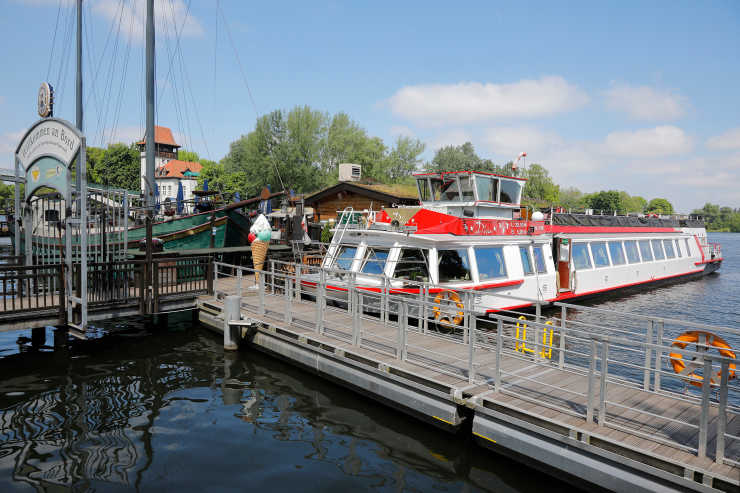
(705, 341)
(449, 297)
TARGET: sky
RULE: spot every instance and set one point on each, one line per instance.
(635, 96)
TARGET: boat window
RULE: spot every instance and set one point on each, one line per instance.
(344, 257)
(491, 264)
(375, 261)
(412, 265)
(615, 250)
(631, 247)
(688, 248)
(539, 260)
(526, 260)
(598, 249)
(669, 253)
(466, 184)
(657, 249)
(510, 191)
(424, 193)
(446, 190)
(678, 248)
(453, 265)
(581, 257)
(487, 188)
(645, 251)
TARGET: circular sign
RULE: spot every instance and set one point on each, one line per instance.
(46, 99)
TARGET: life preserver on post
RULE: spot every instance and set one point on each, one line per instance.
(704, 342)
(448, 297)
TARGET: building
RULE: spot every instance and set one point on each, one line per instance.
(328, 202)
(168, 170)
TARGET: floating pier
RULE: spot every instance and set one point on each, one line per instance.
(591, 402)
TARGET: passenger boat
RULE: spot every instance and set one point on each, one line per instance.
(470, 233)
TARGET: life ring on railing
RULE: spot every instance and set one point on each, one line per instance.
(449, 298)
(704, 341)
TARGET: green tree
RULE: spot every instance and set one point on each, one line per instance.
(572, 198)
(94, 163)
(539, 185)
(605, 201)
(189, 156)
(403, 159)
(659, 206)
(461, 158)
(121, 167)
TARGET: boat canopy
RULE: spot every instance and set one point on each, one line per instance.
(469, 187)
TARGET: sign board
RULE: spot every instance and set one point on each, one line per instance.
(49, 137)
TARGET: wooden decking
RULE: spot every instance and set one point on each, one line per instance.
(647, 427)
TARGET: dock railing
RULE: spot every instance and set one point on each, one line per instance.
(615, 365)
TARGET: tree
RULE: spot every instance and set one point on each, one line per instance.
(121, 167)
(403, 159)
(604, 201)
(572, 198)
(94, 163)
(189, 156)
(539, 185)
(460, 158)
(659, 206)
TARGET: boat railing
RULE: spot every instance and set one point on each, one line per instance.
(617, 358)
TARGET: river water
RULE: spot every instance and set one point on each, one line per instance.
(166, 409)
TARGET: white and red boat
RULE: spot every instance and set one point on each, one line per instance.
(469, 233)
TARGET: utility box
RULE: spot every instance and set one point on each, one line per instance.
(350, 172)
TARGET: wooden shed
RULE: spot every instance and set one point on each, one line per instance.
(328, 202)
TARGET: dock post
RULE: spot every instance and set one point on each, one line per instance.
(232, 312)
(658, 356)
(591, 389)
(239, 281)
(471, 347)
(38, 337)
(320, 287)
(561, 352)
(356, 311)
(722, 413)
(261, 292)
(704, 417)
(648, 356)
(602, 387)
(288, 300)
(401, 339)
(499, 352)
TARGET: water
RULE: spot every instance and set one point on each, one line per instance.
(167, 409)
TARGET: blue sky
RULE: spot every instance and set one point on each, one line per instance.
(639, 96)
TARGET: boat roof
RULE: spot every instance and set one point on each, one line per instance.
(485, 173)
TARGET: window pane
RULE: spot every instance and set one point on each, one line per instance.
(581, 257)
(491, 263)
(450, 190)
(484, 188)
(375, 261)
(678, 248)
(668, 244)
(539, 260)
(657, 249)
(526, 260)
(598, 249)
(424, 194)
(466, 184)
(344, 258)
(436, 190)
(454, 265)
(645, 251)
(412, 265)
(688, 249)
(632, 256)
(615, 249)
(509, 192)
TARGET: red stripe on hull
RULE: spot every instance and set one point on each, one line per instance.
(567, 296)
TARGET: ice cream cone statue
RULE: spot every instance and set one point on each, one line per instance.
(260, 236)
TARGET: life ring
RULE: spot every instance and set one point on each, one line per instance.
(448, 297)
(704, 341)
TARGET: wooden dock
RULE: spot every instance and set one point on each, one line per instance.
(586, 420)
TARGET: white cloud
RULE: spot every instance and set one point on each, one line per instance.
(401, 131)
(451, 138)
(726, 141)
(513, 140)
(664, 140)
(646, 103)
(467, 102)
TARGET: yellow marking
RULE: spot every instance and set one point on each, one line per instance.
(484, 437)
(439, 457)
(443, 420)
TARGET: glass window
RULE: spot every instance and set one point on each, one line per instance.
(581, 257)
(688, 249)
(466, 184)
(657, 249)
(453, 265)
(539, 260)
(678, 248)
(526, 260)
(615, 250)
(447, 190)
(510, 191)
(436, 190)
(344, 257)
(412, 265)
(645, 251)
(375, 261)
(669, 253)
(598, 249)
(487, 188)
(631, 247)
(424, 192)
(491, 264)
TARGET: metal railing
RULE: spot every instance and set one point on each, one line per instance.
(180, 276)
(614, 369)
(31, 288)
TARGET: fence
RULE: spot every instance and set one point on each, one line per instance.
(615, 370)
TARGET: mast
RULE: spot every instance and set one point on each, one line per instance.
(149, 140)
(78, 91)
